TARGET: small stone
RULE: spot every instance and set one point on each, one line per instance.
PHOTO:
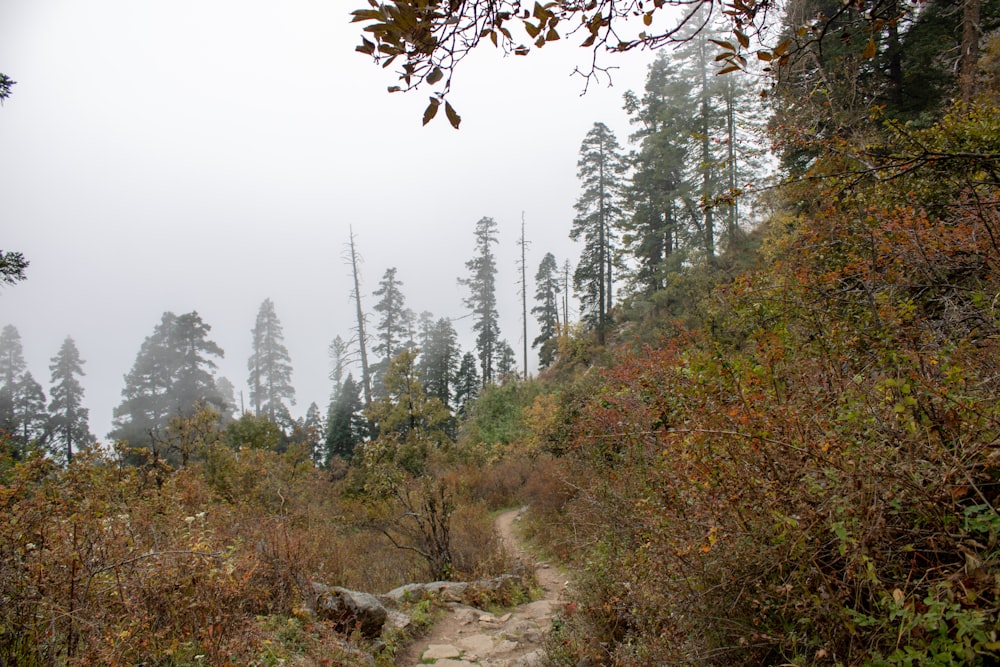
(480, 645)
(440, 652)
(506, 646)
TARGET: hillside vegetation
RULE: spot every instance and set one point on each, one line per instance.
(785, 453)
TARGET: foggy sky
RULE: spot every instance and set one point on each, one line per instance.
(208, 154)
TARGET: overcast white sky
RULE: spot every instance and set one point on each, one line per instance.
(207, 154)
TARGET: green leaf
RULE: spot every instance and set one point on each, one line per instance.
(431, 110)
(453, 117)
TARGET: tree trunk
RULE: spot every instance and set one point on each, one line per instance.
(366, 381)
(970, 50)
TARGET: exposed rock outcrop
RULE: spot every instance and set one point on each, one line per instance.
(348, 610)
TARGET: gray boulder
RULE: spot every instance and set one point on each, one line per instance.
(348, 610)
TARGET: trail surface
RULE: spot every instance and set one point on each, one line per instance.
(468, 636)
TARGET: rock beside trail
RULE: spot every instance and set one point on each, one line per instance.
(448, 591)
(349, 610)
(353, 611)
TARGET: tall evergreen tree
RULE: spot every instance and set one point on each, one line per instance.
(12, 362)
(467, 383)
(346, 426)
(22, 402)
(439, 360)
(194, 380)
(657, 224)
(68, 418)
(32, 416)
(172, 376)
(12, 365)
(338, 353)
(227, 395)
(311, 431)
(601, 170)
(393, 330)
(482, 299)
(547, 290)
(270, 368)
(506, 363)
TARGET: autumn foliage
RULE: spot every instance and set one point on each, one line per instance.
(108, 562)
(812, 476)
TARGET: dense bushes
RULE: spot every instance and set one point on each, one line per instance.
(812, 477)
(112, 563)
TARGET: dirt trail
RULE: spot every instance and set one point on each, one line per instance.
(468, 636)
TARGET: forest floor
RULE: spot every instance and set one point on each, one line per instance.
(467, 636)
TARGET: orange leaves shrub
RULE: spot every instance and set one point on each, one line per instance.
(814, 478)
(109, 563)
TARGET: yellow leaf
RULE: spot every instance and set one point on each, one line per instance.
(869, 50)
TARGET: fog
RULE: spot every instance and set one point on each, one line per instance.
(208, 154)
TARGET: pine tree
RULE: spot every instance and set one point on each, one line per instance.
(12, 362)
(547, 290)
(467, 383)
(337, 351)
(32, 416)
(311, 431)
(193, 387)
(482, 299)
(227, 394)
(270, 368)
(602, 169)
(346, 426)
(68, 418)
(172, 377)
(506, 362)
(392, 332)
(439, 361)
(657, 226)
(23, 417)
(12, 365)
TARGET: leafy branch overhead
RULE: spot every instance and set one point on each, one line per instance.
(427, 39)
